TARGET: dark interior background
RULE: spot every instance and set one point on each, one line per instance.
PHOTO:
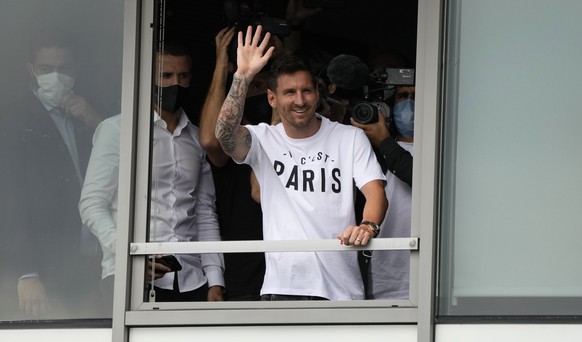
(358, 27)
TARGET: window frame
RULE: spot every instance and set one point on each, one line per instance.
(130, 309)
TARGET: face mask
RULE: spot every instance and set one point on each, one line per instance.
(53, 87)
(257, 109)
(172, 97)
(404, 117)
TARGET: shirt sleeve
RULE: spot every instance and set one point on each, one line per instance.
(397, 160)
(98, 202)
(207, 225)
(366, 166)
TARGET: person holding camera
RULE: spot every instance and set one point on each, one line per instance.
(306, 167)
(349, 79)
(389, 271)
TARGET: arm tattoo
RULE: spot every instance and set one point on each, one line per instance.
(228, 123)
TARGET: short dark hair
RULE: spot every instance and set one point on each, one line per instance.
(173, 48)
(288, 64)
(49, 38)
(317, 59)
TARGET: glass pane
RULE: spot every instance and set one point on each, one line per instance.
(61, 77)
(182, 190)
(511, 171)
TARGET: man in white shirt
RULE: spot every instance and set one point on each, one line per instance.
(306, 167)
(182, 192)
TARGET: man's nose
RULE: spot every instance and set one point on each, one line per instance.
(299, 99)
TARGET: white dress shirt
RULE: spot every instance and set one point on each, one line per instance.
(182, 199)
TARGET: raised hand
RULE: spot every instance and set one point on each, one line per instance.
(251, 55)
(222, 40)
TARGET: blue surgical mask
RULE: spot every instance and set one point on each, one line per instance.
(404, 117)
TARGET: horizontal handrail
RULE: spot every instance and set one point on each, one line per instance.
(146, 248)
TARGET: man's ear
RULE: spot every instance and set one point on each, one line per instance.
(30, 69)
(331, 88)
(271, 98)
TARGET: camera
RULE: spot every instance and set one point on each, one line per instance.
(379, 89)
(366, 112)
(242, 14)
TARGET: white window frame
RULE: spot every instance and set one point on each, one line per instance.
(130, 309)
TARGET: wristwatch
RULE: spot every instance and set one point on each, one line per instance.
(375, 228)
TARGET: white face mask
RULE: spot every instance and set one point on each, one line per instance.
(53, 87)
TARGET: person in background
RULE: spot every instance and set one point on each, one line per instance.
(348, 75)
(182, 193)
(46, 144)
(389, 271)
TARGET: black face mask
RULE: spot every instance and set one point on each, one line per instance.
(172, 97)
(257, 109)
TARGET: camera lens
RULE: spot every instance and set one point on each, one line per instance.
(365, 112)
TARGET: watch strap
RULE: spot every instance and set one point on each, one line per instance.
(374, 226)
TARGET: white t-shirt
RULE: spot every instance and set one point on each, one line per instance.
(390, 270)
(307, 193)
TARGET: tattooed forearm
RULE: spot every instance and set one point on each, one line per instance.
(229, 118)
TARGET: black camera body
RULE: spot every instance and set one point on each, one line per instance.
(365, 112)
(243, 14)
(379, 90)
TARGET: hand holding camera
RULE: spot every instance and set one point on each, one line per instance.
(375, 131)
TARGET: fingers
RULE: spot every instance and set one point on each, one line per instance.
(357, 124)
(215, 294)
(224, 37)
(34, 306)
(251, 39)
(249, 36)
(240, 39)
(355, 236)
(257, 35)
(159, 268)
(265, 41)
(381, 118)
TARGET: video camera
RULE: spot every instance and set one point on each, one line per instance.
(242, 14)
(378, 91)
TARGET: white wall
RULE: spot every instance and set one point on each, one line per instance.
(508, 333)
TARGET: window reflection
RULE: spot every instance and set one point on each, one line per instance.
(57, 87)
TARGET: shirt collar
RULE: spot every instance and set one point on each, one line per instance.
(183, 121)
